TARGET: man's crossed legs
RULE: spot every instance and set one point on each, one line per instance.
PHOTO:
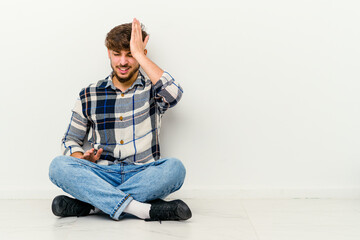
(115, 187)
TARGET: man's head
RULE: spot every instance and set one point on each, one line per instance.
(118, 44)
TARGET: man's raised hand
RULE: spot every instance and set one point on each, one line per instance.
(137, 45)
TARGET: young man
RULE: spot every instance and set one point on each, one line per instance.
(120, 115)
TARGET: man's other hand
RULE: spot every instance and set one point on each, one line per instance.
(90, 156)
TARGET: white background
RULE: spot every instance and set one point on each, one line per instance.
(271, 89)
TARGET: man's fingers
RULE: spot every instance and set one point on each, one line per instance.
(98, 154)
(136, 23)
(133, 30)
(88, 153)
(86, 156)
(146, 41)
(137, 28)
(137, 45)
(139, 31)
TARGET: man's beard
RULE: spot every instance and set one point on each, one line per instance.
(124, 79)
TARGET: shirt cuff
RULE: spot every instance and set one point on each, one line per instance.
(70, 150)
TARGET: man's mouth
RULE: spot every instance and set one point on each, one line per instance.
(123, 70)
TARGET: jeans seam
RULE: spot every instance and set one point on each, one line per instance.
(81, 163)
(135, 170)
(119, 205)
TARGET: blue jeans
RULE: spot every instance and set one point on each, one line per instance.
(111, 188)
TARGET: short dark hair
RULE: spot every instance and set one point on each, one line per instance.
(119, 37)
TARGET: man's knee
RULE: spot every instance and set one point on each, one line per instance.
(58, 167)
(175, 170)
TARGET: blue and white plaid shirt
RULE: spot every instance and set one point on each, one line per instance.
(125, 124)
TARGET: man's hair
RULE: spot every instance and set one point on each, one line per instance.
(119, 37)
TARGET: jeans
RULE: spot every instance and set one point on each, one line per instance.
(111, 188)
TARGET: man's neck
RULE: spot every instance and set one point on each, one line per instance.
(125, 85)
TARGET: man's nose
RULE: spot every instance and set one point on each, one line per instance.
(123, 60)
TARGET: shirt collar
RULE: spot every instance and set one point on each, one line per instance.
(140, 80)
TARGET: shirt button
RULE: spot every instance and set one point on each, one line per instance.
(121, 142)
(121, 118)
(122, 94)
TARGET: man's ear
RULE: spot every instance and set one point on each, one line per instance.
(145, 51)
(109, 53)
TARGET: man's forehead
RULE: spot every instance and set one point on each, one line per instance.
(121, 51)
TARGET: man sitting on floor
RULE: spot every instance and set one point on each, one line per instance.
(122, 172)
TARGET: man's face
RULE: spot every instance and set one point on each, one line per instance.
(125, 67)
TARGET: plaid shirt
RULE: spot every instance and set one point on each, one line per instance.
(126, 125)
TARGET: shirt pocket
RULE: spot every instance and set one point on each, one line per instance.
(103, 126)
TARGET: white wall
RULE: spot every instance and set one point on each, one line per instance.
(271, 102)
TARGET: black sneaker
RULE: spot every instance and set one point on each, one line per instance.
(63, 206)
(173, 210)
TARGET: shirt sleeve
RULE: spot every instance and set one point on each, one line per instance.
(168, 92)
(74, 136)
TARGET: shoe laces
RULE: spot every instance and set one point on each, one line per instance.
(166, 211)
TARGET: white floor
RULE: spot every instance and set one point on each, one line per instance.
(306, 219)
